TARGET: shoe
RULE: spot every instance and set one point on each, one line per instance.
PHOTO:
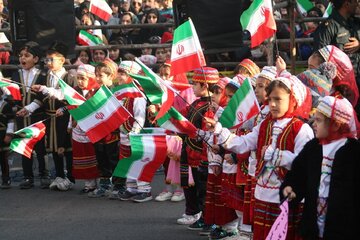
(116, 194)
(53, 185)
(188, 219)
(99, 192)
(65, 185)
(126, 196)
(164, 196)
(207, 229)
(5, 184)
(142, 197)
(223, 234)
(44, 182)
(177, 196)
(86, 190)
(27, 183)
(198, 225)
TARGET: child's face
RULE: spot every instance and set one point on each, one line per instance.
(160, 55)
(216, 95)
(146, 51)
(114, 54)
(199, 91)
(151, 18)
(99, 56)
(122, 77)
(229, 94)
(279, 100)
(320, 125)
(82, 80)
(313, 62)
(84, 57)
(54, 62)
(103, 79)
(261, 84)
(167, 4)
(165, 73)
(27, 60)
(167, 53)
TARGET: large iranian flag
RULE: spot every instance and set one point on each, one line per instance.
(242, 106)
(304, 6)
(100, 115)
(11, 89)
(157, 90)
(87, 39)
(174, 121)
(186, 52)
(148, 152)
(126, 91)
(70, 94)
(25, 139)
(258, 19)
(101, 9)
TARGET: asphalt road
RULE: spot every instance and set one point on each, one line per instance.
(44, 214)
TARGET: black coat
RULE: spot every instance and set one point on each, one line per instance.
(343, 201)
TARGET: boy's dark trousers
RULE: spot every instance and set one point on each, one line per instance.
(27, 164)
(4, 165)
(195, 195)
(107, 156)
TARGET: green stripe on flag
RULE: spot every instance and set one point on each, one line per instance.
(96, 102)
(92, 38)
(247, 14)
(182, 32)
(4, 84)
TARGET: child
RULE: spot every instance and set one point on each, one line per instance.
(107, 149)
(246, 68)
(137, 191)
(6, 132)
(29, 76)
(58, 138)
(325, 174)
(276, 140)
(192, 154)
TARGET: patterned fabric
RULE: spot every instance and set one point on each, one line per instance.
(249, 200)
(339, 109)
(206, 75)
(84, 161)
(231, 194)
(268, 72)
(250, 66)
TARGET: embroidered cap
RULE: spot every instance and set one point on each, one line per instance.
(250, 66)
(339, 109)
(268, 72)
(206, 75)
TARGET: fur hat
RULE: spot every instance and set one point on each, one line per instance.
(59, 47)
(206, 75)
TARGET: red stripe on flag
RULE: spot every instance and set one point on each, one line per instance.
(167, 104)
(104, 128)
(264, 31)
(100, 13)
(149, 170)
(128, 95)
(184, 127)
(185, 64)
(253, 111)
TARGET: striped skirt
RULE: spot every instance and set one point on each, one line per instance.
(233, 195)
(215, 210)
(84, 161)
(265, 214)
(249, 200)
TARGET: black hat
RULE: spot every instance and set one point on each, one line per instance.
(33, 48)
(59, 47)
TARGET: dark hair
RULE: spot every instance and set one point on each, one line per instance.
(210, 85)
(315, 9)
(338, 3)
(90, 15)
(345, 91)
(102, 67)
(276, 84)
(318, 56)
(215, 89)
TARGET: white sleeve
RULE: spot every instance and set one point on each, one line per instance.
(53, 92)
(239, 144)
(284, 158)
(32, 107)
(139, 114)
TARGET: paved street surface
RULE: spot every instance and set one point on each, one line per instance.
(43, 214)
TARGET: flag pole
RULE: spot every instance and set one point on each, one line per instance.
(11, 81)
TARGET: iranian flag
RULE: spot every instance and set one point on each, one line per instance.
(304, 6)
(148, 152)
(10, 89)
(71, 95)
(126, 91)
(328, 10)
(186, 52)
(100, 115)
(174, 121)
(258, 19)
(242, 106)
(164, 94)
(25, 139)
(101, 9)
(87, 39)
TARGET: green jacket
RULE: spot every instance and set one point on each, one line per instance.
(336, 30)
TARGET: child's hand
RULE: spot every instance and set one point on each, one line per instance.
(36, 88)
(210, 123)
(7, 138)
(280, 65)
(288, 192)
(22, 113)
(61, 151)
(59, 112)
(229, 159)
(216, 169)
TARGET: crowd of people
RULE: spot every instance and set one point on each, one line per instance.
(301, 147)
